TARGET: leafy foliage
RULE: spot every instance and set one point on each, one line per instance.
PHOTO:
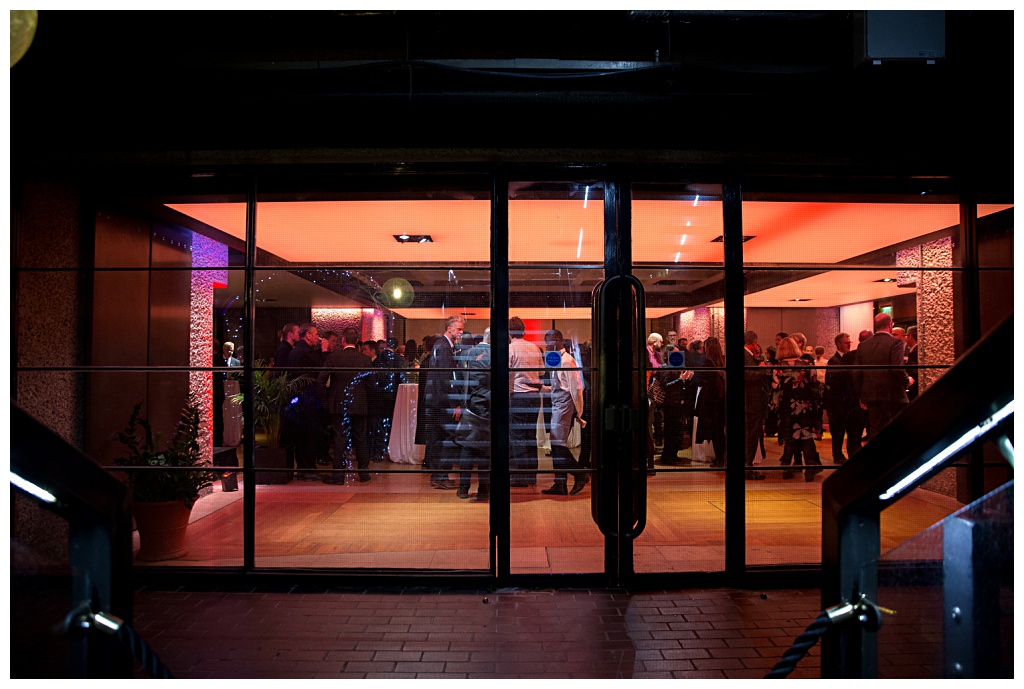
(273, 391)
(182, 450)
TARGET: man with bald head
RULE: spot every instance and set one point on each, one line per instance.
(882, 390)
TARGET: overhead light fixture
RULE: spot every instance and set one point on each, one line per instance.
(799, 299)
(405, 238)
(886, 280)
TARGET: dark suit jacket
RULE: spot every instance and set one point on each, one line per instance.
(283, 350)
(757, 385)
(439, 393)
(347, 392)
(880, 385)
(444, 388)
(839, 384)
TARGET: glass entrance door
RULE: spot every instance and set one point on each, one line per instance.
(600, 278)
(556, 250)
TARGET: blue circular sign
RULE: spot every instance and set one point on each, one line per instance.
(553, 359)
(675, 358)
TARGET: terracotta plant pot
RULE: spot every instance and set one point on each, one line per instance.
(162, 528)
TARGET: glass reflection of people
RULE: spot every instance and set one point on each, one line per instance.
(525, 388)
(566, 407)
(475, 426)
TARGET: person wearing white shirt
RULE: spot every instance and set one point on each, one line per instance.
(525, 364)
(566, 407)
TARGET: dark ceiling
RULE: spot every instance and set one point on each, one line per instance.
(769, 87)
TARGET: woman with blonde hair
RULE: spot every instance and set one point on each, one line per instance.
(796, 393)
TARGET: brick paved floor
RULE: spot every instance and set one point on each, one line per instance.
(511, 633)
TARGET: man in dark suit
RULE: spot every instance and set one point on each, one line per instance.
(347, 404)
(289, 337)
(882, 390)
(441, 409)
(304, 414)
(840, 400)
(756, 382)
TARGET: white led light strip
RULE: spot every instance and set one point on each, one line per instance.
(964, 440)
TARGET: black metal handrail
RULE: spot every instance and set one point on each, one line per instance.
(969, 399)
(97, 509)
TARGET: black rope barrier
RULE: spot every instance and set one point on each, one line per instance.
(801, 646)
(864, 611)
(82, 619)
(151, 664)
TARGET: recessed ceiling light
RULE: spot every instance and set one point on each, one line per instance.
(406, 238)
(886, 280)
(799, 299)
(721, 238)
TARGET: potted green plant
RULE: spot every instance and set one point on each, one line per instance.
(163, 500)
(272, 392)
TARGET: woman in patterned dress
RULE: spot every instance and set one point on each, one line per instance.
(796, 394)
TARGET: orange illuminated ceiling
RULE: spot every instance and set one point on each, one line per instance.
(667, 232)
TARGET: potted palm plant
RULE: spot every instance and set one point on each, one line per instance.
(163, 500)
(272, 393)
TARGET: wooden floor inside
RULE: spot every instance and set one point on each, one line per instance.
(397, 520)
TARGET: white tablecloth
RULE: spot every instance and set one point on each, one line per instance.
(401, 445)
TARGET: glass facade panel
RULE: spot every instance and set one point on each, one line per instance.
(354, 290)
(828, 380)
(369, 474)
(678, 257)
(556, 243)
(214, 533)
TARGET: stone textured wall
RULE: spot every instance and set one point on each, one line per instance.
(828, 328)
(47, 222)
(695, 325)
(935, 321)
(205, 252)
(369, 322)
(337, 319)
(935, 316)
(49, 305)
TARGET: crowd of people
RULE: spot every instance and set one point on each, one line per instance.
(343, 416)
(455, 407)
(790, 391)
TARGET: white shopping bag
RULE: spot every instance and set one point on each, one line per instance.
(702, 452)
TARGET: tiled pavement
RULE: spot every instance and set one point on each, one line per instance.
(511, 633)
